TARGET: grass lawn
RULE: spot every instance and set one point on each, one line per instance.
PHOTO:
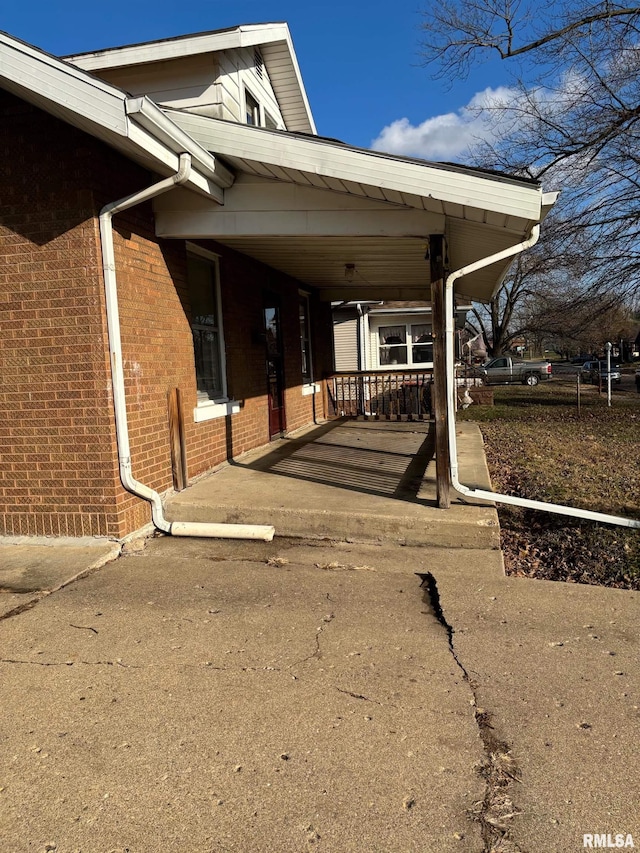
(539, 446)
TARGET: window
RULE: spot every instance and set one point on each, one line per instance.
(206, 325)
(405, 344)
(421, 344)
(252, 109)
(305, 341)
(269, 122)
(393, 345)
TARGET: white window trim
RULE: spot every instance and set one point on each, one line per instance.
(375, 327)
(207, 409)
(246, 90)
(308, 387)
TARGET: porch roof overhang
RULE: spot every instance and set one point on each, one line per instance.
(309, 206)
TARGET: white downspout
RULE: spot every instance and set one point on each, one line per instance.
(362, 353)
(176, 528)
(560, 509)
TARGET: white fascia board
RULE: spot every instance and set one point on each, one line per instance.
(383, 312)
(271, 208)
(219, 223)
(326, 159)
(27, 70)
(176, 48)
(548, 200)
(295, 71)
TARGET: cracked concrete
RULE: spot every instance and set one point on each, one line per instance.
(499, 770)
(556, 670)
(34, 567)
(208, 696)
(154, 701)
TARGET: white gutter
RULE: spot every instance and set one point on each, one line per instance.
(483, 494)
(176, 528)
(151, 117)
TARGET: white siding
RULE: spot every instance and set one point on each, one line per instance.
(237, 73)
(189, 83)
(210, 84)
(373, 355)
(345, 336)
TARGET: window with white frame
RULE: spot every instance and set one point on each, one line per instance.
(251, 109)
(405, 344)
(206, 325)
(305, 338)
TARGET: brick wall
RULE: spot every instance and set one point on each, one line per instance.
(57, 437)
(58, 474)
(244, 283)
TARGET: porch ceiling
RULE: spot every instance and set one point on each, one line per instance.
(310, 206)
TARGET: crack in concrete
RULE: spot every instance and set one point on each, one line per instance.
(499, 769)
(317, 653)
(73, 663)
(22, 608)
(364, 698)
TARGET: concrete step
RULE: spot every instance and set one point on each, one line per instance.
(369, 482)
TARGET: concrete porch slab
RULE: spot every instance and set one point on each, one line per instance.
(348, 480)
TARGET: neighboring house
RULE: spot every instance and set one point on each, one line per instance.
(390, 335)
(172, 235)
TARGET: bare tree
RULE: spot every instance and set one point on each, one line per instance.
(534, 299)
(571, 116)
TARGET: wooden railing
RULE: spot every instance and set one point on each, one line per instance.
(380, 394)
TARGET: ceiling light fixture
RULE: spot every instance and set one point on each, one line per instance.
(349, 271)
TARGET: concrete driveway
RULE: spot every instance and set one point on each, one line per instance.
(216, 696)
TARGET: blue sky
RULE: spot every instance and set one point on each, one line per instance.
(360, 61)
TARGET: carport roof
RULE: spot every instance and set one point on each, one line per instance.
(392, 205)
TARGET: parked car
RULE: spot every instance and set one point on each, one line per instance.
(596, 372)
(587, 368)
(505, 370)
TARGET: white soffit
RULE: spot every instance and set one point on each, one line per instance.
(456, 192)
(276, 47)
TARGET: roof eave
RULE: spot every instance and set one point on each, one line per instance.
(269, 37)
(100, 109)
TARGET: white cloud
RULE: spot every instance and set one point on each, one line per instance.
(448, 136)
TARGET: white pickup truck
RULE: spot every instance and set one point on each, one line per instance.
(504, 370)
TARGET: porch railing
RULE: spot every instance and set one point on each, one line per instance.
(380, 394)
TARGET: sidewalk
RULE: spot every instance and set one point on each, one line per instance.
(223, 696)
